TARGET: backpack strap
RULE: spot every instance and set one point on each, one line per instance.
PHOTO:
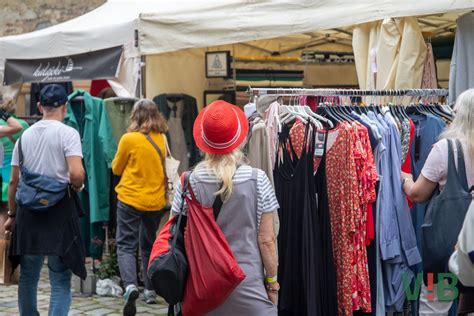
(185, 184)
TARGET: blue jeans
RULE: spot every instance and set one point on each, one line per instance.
(59, 277)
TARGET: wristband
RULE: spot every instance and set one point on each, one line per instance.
(4, 115)
(79, 189)
(272, 279)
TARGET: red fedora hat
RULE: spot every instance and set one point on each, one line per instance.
(220, 128)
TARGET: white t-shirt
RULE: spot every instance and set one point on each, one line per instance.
(45, 146)
(436, 166)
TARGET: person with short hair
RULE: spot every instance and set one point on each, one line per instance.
(141, 195)
(49, 149)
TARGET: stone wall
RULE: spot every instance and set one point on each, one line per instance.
(22, 16)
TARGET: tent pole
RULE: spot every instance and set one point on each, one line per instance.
(142, 76)
(141, 93)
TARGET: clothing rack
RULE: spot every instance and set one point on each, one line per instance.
(347, 92)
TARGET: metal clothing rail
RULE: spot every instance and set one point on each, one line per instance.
(347, 92)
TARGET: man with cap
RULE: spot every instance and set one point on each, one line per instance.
(53, 149)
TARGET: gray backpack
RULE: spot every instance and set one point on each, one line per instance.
(445, 215)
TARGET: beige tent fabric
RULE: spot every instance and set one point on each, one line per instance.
(393, 50)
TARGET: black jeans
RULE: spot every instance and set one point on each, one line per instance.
(135, 227)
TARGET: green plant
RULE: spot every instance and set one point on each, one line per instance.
(109, 266)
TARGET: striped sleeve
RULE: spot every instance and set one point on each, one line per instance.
(177, 200)
(266, 198)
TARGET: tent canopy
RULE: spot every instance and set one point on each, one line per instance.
(166, 26)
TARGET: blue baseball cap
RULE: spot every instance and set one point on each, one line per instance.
(53, 95)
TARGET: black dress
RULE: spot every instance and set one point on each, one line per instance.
(328, 284)
(306, 268)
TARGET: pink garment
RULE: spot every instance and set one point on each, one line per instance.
(430, 80)
(272, 123)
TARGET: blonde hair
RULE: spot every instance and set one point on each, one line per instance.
(8, 105)
(146, 118)
(223, 167)
(462, 126)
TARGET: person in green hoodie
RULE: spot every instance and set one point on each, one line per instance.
(8, 143)
(9, 131)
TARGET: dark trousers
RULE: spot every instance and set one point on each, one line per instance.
(135, 228)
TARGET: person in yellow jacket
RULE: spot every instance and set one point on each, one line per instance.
(141, 195)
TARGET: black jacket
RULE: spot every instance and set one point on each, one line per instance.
(190, 113)
(55, 232)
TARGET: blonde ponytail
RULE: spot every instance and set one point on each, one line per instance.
(223, 167)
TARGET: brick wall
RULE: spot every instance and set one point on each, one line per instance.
(22, 16)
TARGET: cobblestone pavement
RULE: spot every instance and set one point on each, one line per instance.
(94, 305)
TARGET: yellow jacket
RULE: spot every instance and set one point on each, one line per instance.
(142, 185)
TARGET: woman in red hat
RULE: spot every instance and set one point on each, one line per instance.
(246, 216)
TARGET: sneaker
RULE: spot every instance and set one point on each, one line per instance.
(130, 296)
(149, 296)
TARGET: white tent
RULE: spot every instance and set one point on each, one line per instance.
(167, 26)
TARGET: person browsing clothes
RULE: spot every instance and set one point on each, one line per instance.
(246, 216)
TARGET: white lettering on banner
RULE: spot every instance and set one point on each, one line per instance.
(48, 72)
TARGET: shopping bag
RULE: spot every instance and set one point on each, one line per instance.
(6, 274)
(213, 271)
(171, 166)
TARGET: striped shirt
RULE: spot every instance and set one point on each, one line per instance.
(266, 199)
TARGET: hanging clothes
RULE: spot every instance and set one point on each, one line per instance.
(86, 114)
(119, 111)
(430, 79)
(389, 54)
(182, 125)
(461, 75)
(35, 91)
(257, 151)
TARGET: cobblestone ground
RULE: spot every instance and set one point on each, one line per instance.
(94, 305)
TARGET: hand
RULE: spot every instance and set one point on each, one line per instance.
(78, 189)
(272, 291)
(405, 175)
(273, 297)
(9, 224)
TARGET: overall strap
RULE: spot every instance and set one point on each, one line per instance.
(452, 179)
(461, 170)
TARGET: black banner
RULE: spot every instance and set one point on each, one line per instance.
(101, 64)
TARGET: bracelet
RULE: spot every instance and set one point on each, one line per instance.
(10, 214)
(270, 289)
(79, 189)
